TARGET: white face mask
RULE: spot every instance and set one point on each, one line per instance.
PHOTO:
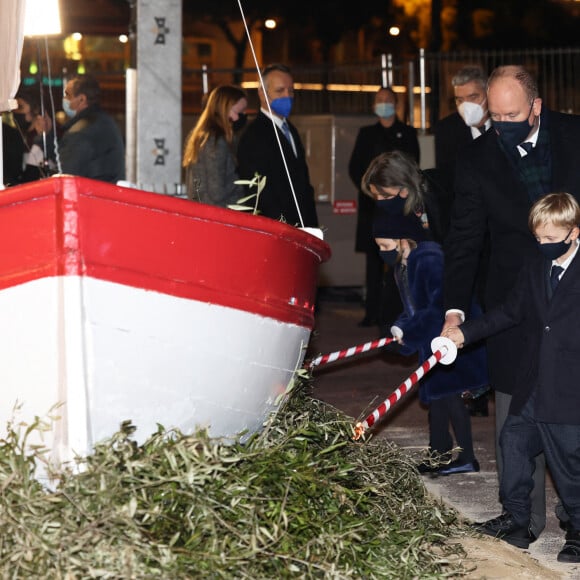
(472, 113)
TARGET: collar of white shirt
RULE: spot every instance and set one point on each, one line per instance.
(476, 132)
(533, 139)
(568, 260)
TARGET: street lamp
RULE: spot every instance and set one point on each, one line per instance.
(42, 17)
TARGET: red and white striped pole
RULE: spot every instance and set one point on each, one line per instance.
(444, 351)
(339, 354)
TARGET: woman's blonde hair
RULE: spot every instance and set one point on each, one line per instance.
(560, 209)
(214, 121)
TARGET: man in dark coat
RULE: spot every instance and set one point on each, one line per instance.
(91, 145)
(468, 122)
(289, 198)
(497, 181)
(452, 134)
(387, 134)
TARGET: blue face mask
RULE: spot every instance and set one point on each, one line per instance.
(67, 109)
(282, 106)
(384, 110)
(389, 257)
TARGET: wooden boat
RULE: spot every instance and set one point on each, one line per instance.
(118, 304)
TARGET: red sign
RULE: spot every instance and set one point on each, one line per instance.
(344, 206)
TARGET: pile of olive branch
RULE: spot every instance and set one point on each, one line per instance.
(299, 500)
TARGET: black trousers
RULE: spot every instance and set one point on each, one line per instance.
(522, 439)
(383, 303)
(445, 412)
(373, 285)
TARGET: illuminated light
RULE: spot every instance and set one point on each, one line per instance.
(338, 87)
(81, 70)
(77, 36)
(41, 18)
(394, 31)
(33, 68)
(270, 23)
(123, 38)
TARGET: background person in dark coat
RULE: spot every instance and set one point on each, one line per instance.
(13, 154)
(91, 145)
(495, 187)
(387, 134)
(453, 133)
(259, 152)
(468, 122)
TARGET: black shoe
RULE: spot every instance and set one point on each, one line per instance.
(458, 466)
(425, 468)
(570, 553)
(505, 528)
(367, 322)
(434, 462)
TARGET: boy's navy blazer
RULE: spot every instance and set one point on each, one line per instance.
(550, 331)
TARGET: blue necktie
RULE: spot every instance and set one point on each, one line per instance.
(286, 131)
(527, 146)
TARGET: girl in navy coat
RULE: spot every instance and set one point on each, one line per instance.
(418, 263)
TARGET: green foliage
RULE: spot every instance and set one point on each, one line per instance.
(301, 499)
(258, 182)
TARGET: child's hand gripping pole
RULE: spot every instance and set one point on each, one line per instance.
(444, 351)
(339, 354)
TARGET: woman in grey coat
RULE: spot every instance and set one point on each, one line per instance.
(209, 156)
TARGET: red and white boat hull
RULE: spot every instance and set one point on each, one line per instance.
(124, 305)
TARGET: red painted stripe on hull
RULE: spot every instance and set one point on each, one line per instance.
(74, 226)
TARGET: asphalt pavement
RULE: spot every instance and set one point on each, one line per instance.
(357, 385)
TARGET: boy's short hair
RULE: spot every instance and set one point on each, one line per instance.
(560, 209)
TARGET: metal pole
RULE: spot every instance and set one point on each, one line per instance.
(204, 79)
(131, 125)
(422, 82)
(383, 70)
(411, 94)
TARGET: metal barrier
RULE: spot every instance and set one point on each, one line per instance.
(424, 83)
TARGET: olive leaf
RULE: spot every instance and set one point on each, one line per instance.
(299, 499)
(258, 182)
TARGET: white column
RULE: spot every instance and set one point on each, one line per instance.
(159, 34)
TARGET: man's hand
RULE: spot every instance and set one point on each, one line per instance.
(451, 319)
(454, 334)
(42, 124)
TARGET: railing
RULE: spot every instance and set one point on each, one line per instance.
(349, 89)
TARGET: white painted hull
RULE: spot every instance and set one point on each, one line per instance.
(120, 305)
(89, 347)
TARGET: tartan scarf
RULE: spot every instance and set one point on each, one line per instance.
(535, 169)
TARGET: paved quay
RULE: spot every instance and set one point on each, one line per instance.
(357, 385)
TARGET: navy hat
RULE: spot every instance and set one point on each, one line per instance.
(397, 226)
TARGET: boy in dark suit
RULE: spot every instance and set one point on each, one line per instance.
(543, 414)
